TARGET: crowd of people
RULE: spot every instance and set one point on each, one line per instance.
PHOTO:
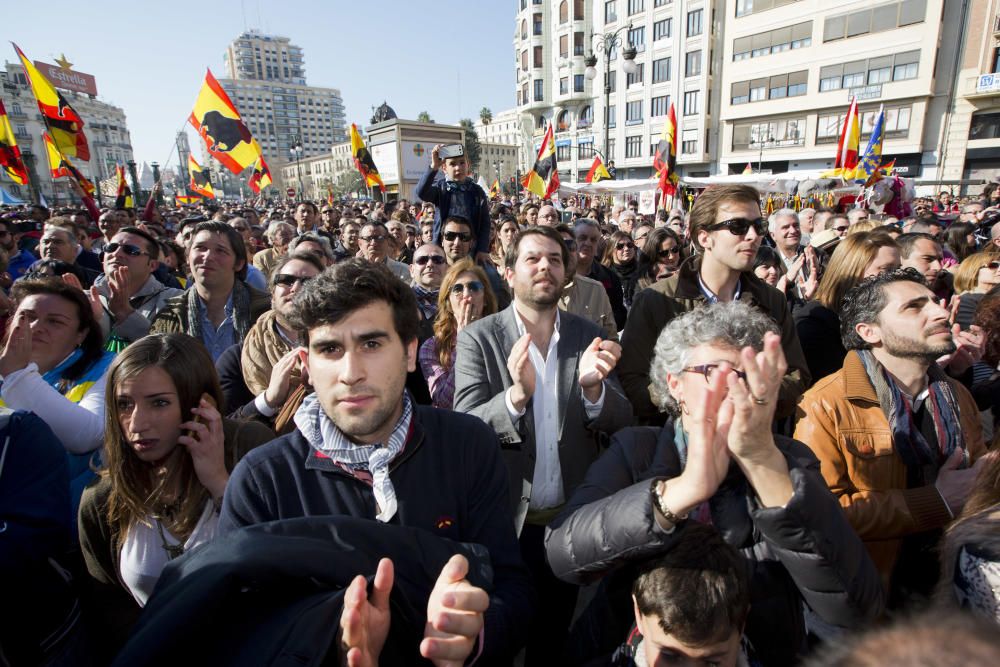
(496, 432)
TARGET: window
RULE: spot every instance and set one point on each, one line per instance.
(524, 4)
(773, 41)
(578, 83)
(577, 43)
(661, 29)
(539, 90)
(661, 70)
(758, 90)
(562, 121)
(633, 112)
(879, 70)
(612, 81)
(564, 46)
(578, 10)
(610, 120)
(661, 3)
(637, 38)
(524, 60)
(584, 151)
(692, 102)
(658, 106)
(882, 69)
(689, 142)
(692, 63)
(634, 78)
(633, 147)
(611, 149)
(635, 6)
(875, 19)
(536, 24)
(586, 118)
(564, 85)
(789, 132)
(905, 65)
(694, 22)
(564, 152)
(563, 12)
(610, 14)
(746, 7)
(985, 126)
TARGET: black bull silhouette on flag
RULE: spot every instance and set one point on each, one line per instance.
(223, 131)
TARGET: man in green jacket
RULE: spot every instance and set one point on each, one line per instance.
(726, 229)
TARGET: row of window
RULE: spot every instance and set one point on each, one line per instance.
(883, 69)
(775, 87)
(874, 19)
(661, 29)
(747, 7)
(773, 41)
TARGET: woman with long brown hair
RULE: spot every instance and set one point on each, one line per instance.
(856, 257)
(465, 297)
(622, 257)
(167, 458)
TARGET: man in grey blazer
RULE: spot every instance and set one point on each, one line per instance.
(543, 380)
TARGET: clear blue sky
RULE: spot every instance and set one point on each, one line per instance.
(447, 57)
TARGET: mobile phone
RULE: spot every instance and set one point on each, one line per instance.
(197, 418)
(451, 150)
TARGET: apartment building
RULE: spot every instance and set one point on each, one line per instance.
(791, 67)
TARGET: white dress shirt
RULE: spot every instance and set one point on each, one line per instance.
(547, 484)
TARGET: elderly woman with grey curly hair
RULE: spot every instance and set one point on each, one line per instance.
(717, 370)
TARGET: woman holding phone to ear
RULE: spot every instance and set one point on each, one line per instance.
(167, 458)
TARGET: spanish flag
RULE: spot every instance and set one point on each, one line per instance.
(363, 160)
(124, 197)
(59, 165)
(665, 158)
(10, 154)
(186, 199)
(598, 172)
(65, 125)
(495, 189)
(219, 123)
(848, 146)
(261, 176)
(543, 179)
(200, 182)
(329, 195)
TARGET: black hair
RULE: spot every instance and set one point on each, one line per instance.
(458, 220)
(234, 237)
(152, 245)
(865, 301)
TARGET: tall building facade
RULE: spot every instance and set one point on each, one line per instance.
(791, 68)
(266, 79)
(507, 151)
(104, 125)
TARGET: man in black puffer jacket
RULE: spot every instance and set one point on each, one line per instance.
(717, 463)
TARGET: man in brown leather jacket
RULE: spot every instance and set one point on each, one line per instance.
(895, 436)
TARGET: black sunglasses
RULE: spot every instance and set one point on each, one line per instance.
(374, 238)
(461, 236)
(423, 259)
(287, 279)
(127, 248)
(669, 251)
(621, 245)
(740, 226)
(473, 286)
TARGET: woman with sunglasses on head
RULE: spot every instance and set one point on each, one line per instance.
(622, 257)
(465, 297)
(167, 458)
(662, 255)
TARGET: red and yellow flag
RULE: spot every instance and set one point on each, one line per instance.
(10, 154)
(124, 197)
(261, 176)
(848, 146)
(65, 125)
(543, 179)
(200, 181)
(59, 165)
(363, 160)
(219, 123)
(748, 170)
(186, 199)
(598, 172)
(665, 158)
(495, 189)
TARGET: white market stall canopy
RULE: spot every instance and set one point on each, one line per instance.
(787, 182)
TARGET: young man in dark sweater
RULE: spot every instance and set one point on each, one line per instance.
(363, 448)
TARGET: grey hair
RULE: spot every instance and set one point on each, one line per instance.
(273, 228)
(772, 222)
(315, 238)
(734, 325)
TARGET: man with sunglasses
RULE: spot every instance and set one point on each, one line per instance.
(375, 247)
(427, 271)
(269, 356)
(726, 229)
(457, 241)
(129, 294)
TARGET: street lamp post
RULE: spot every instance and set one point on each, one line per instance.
(297, 150)
(606, 44)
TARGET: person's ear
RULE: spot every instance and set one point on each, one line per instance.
(411, 355)
(869, 332)
(675, 388)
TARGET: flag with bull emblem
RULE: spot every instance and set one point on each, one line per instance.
(59, 165)
(665, 157)
(10, 154)
(200, 181)
(219, 123)
(363, 160)
(123, 198)
(261, 176)
(64, 124)
(543, 179)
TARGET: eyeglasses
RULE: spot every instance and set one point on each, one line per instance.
(740, 226)
(288, 280)
(375, 238)
(423, 259)
(992, 266)
(621, 245)
(464, 237)
(708, 370)
(841, 229)
(473, 287)
(669, 252)
(127, 248)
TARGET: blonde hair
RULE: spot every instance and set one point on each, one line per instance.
(967, 272)
(847, 265)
